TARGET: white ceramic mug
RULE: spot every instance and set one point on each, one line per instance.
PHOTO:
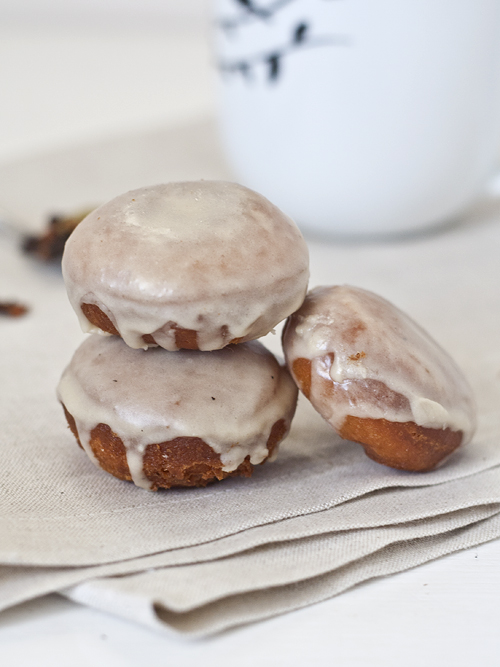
(362, 117)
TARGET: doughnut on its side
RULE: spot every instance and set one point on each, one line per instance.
(402, 445)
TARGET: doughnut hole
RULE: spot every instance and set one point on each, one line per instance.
(183, 461)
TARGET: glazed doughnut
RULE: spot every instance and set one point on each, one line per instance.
(194, 265)
(183, 418)
(378, 378)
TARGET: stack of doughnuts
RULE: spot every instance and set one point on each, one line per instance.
(179, 280)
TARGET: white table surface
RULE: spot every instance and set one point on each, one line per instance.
(56, 92)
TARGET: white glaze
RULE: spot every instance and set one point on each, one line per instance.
(372, 340)
(229, 398)
(210, 256)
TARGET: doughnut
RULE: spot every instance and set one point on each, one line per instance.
(194, 265)
(378, 378)
(185, 418)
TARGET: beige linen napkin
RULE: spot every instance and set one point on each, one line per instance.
(362, 523)
(203, 599)
(58, 513)
(258, 605)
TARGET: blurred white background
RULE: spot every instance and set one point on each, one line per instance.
(76, 70)
(116, 11)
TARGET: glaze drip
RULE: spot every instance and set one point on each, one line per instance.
(377, 362)
(229, 398)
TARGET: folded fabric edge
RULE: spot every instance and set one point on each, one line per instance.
(482, 490)
(258, 605)
(252, 607)
(19, 584)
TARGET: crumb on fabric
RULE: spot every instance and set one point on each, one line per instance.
(12, 309)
